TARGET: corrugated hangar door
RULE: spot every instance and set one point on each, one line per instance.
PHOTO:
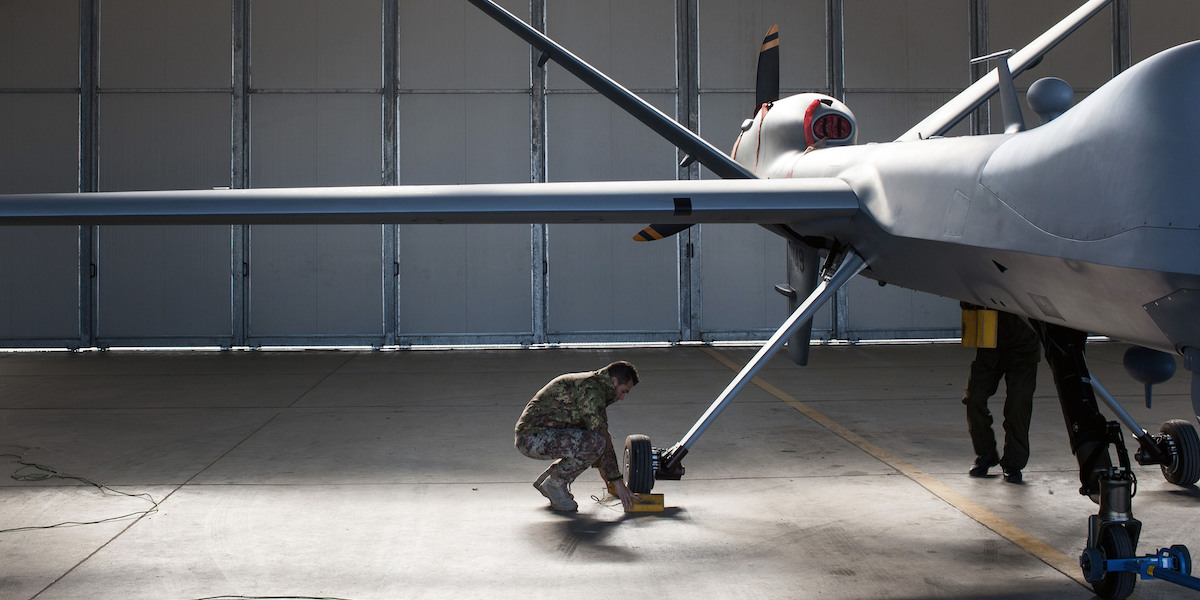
(164, 118)
(601, 284)
(464, 117)
(39, 277)
(315, 120)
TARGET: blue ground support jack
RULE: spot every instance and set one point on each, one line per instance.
(1172, 564)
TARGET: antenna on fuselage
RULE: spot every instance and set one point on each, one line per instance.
(1050, 97)
(1014, 121)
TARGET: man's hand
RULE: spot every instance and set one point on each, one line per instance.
(627, 497)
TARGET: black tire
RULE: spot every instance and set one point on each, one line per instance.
(639, 464)
(1184, 468)
(1115, 585)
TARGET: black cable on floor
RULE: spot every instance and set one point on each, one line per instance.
(29, 471)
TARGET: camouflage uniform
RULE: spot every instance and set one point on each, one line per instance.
(567, 420)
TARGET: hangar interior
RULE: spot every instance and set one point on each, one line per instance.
(355, 473)
(140, 94)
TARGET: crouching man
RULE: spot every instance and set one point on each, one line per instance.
(567, 422)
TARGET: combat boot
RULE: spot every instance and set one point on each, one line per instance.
(556, 491)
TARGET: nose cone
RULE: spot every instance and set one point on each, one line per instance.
(793, 124)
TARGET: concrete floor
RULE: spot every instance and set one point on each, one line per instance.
(378, 475)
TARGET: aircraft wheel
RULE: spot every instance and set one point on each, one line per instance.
(639, 464)
(1115, 585)
(1184, 468)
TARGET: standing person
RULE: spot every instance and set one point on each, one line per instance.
(567, 420)
(1015, 359)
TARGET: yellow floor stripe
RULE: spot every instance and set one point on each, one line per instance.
(1042, 551)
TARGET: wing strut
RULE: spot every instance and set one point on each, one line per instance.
(851, 265)
(971, 98)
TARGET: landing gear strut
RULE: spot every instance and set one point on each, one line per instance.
(1113, 533)
(1109, 561)
(839, 268)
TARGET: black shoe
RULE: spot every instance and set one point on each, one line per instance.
(1013, 476)
(981, 467)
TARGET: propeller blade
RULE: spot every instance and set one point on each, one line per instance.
(766, 87)
(657, 232)
(766, 90)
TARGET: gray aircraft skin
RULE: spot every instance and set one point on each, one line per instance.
(1089, 222)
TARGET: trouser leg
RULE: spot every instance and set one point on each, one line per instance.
(981, 385)
(573, 450)
(1019, 382)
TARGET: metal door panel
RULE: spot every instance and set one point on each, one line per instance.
(39, 152)
(633, 41)
(1156, 26)
(164, 141)
(741, 264)
(39, 283)
(311, 281)
(602, 281)
(732, 32)
(314, 280)
(875, 312)
(163, 282)
(315, 139)
(39, 43)
(464, 138)
(168, 283)
(465, 280)
(165, 44)
(328, 44)
(39, 266)
(482, 56)
(919, 45)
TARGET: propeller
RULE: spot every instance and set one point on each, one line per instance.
(766, 87)
(766, 90)
(656, 231)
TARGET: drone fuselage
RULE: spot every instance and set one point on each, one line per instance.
(1090, 221)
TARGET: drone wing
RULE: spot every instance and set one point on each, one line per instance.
(688, 201)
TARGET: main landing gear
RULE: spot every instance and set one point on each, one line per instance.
(644, 463)
(1109, 562)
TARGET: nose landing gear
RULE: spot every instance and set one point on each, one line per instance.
(1108, 561)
